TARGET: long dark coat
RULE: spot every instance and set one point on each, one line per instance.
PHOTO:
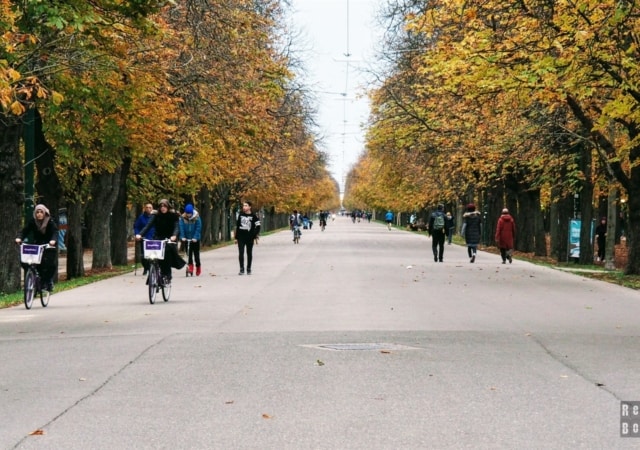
(505, 232)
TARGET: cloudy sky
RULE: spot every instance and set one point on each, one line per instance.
(336, 41)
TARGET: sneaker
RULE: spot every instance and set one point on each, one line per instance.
(435, 259)
(49, 287)
(473, 258)
(248, 271)
(241, 272)
(144, 272)
(198, 271)
(190, 268)
(166, 280)
(510, 259)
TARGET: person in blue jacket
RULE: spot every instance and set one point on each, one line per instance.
(191, 230)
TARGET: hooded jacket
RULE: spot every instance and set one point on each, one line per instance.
(472, 227)
(505, 232)
(40, 232)
(190, 227)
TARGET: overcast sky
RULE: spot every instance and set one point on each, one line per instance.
(329, 31)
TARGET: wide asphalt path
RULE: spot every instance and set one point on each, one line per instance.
(353, 339)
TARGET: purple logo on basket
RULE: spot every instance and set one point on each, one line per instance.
(30, 249)
(153, 245)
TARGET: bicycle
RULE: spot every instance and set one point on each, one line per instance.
(31, 256)
(296, 234)
(154, 252)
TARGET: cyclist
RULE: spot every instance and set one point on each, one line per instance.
(165, 223)
(323, 219)
(40, 230)
(190, 229)
(295, 222)
(247, 232)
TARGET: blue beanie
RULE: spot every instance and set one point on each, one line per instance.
(188, 209)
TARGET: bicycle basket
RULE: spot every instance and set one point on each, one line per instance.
(154, 249)
(31, 254)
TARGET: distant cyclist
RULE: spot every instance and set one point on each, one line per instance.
(295, 222)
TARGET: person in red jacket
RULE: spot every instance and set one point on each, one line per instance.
(506, 235)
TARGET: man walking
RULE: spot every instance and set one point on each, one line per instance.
(438, 231)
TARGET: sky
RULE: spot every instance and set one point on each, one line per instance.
(336, 42)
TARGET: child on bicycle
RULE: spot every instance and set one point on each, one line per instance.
(191, 229)
(40, 230)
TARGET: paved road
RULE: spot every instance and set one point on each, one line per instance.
(353, 339)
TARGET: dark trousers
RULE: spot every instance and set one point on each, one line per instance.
(242, 244)
(194, 253)
(505, 253)
(437, 244)
(601, 246)
(140, 255)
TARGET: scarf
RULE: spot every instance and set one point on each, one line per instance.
(42, 224)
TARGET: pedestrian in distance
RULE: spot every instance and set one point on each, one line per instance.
(190, 226)
(247, 233)
(165, 224)
(472, 230)
(506, 235)
(41, 229)
(388, 217)
(450, 224)
(601, 238)
(438, 231)
(138, 225)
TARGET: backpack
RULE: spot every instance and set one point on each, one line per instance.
(438, 222)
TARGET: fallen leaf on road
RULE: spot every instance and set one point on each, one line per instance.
(37, 433)
(266, 416)
(385, 351)
(229, 402)
(319, 363)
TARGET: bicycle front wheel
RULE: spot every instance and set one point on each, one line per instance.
(29, 287)
(166, 291)
(44, 298)
(152, 281)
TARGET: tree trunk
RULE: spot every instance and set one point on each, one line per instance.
(119, 231)
(104, 189)
(610, 240)
(11, 202)
(203, 200)
(632, 230)
(561, 212)
(539, 234)
(586, 208)
(75, 251)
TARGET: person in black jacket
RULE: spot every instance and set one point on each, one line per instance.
(438, 232)
(247, 232)
(40, 230)
(165, 223)
(601, 238)
(472, 230)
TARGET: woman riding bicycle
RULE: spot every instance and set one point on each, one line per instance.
(40, 230)
(166, 226)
